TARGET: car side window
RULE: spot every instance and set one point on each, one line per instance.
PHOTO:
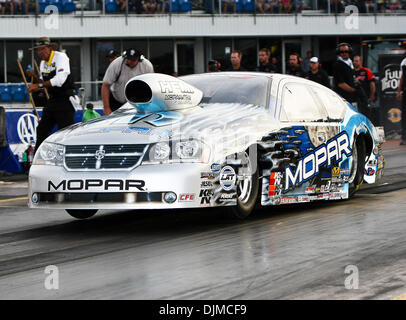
(299, 104)
(334, 105)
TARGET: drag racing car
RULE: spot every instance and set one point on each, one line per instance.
(232, 139)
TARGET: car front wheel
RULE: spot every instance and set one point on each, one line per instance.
(81, 213)
(358, 166)
(247, 188)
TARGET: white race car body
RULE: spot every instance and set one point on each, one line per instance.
(181, 143)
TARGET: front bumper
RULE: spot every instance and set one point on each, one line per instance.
(142, 188)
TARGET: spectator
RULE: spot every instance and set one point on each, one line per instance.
(229, 3)
(382, 6)
(275, 6)
(344, 75)
(337, 5)
(287, 6)
(213, 66)
(150, 6)
(369, 6)
(365, 78)
(3, 5)
(262, 6)
(317, 74)
(236, 57)
(401, 97)
(162, 5)
(31, 4)
(275, 62)
(394, 5)
(18, 6)
(294, 67)
(112, 55)
(136, 6)
(121, 5)
(306, 61)
(264, 64)
(298, 5)
(366, 81)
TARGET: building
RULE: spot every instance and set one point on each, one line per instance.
(183, 42)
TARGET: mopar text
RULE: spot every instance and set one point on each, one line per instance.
(88, 184)
(309, 166)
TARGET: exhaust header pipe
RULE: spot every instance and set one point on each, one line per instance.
(153, 92)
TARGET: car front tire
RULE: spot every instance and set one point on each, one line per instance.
(81, 213)
(358, 166)
(247, 190)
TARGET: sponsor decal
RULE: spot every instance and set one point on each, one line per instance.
(207, 175)
(394, 115)
(369, 172)
(310, 190)
(275, 181)
(186, 197)
(390, 81)
(205, 196)
(206, 185)
(335, 172)
(89, 184)
(215, 167)
(228, 196)
(288, 200)
(175, 87)
(373, 163)
(309, 165)
(227, 178)
(303, 199)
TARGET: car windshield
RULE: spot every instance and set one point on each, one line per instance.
(231, 88)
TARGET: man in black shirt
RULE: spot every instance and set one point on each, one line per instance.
(236, 57)
(317, 74)
(264, 64)
(294, 67)
(344, 77)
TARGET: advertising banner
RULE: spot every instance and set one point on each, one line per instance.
(21, 125)
(389, 76)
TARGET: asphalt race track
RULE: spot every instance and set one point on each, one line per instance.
(286, 252)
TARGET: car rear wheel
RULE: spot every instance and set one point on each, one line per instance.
(358, 166)
(247, 188)
(81, 213)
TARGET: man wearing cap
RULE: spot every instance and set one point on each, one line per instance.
(112, 55)
(122, 69)
(317, 74)
(55, 76)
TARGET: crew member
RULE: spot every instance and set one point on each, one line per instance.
(213, 66)
(55, 76)
(316, 73)
(236, 57)
(344, 75)
(366, 80)
(264, 64)
(122, 69)
(401, 97)
(294, 67)
(112, 55)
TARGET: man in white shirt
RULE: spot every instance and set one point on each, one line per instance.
(55, 76)
(122, 69)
